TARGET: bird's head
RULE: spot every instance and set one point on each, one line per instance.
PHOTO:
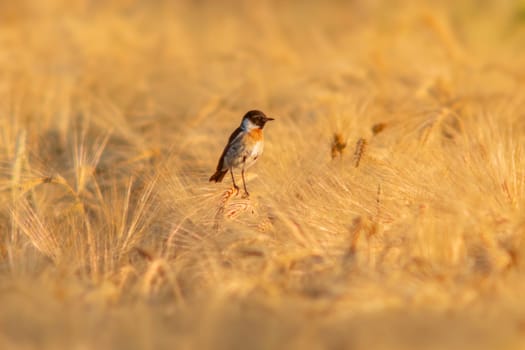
(254, 119)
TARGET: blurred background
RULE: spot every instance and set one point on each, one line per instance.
(386, 212)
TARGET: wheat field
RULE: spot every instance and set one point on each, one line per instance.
(386, 212)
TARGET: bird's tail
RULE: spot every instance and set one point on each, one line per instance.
(218, 176)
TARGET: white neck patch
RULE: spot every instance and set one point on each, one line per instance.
(248, 125)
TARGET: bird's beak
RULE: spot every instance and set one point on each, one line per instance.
(269, 119)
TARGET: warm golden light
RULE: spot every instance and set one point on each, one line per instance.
(388, 209)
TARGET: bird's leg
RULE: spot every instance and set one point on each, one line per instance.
(233, 179)
(244, 181)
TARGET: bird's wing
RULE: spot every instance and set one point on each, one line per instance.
(237, 133)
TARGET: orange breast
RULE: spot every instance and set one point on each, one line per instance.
(255, 135)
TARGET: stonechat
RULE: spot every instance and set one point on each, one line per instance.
(244, 147)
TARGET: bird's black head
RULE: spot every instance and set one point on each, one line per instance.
(254, 119)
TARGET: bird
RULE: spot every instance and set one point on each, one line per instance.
(244, 147)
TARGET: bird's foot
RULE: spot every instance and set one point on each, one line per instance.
(246, 195)
(236, 189)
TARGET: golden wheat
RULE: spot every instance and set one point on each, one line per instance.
(110, 118)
